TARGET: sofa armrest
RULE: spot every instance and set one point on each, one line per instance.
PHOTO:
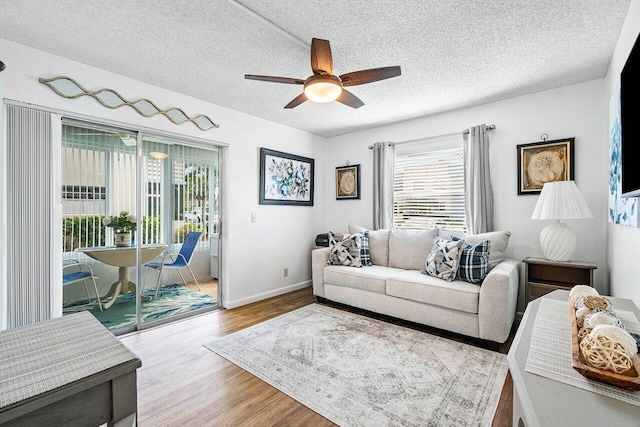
(498, 300)
(319, 258)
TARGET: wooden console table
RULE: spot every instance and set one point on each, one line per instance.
(540, 401)
(66, 371)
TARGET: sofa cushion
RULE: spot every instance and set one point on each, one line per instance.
(499, 241)
(378, 244)
(443, 259)
(409, 248)
(412, 285)
(474, 261)
(344, 249)
(372, 279)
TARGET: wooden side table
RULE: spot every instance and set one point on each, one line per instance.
(543, 276)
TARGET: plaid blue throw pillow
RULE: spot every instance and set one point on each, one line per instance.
(474, 261)
(365, 254)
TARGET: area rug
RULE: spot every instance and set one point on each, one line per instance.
(357, 371)
(172, 300)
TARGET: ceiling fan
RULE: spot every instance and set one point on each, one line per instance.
(323, 86)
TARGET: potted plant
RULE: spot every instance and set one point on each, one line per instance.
(122, 225)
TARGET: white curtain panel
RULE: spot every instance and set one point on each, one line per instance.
(477, 181)
(32, 231)
(383, 158)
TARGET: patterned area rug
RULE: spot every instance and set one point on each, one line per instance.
(172, 300)
(358, 371)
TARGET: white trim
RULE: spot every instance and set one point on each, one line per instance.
(3, 221)
(56, 255)
(265, 295)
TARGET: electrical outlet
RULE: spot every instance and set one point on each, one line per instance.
(253, 217)
(285, 272)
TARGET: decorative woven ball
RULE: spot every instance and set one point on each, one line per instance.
(593, 302)
(580, 315)
(577, 292)
(617, 335)
(583, 332)
(581, 312)
(580, 322)
(602, 318)
(604, 353)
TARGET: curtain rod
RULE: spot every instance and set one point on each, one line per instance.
(430, 138)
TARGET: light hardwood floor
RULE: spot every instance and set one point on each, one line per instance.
(181, 383)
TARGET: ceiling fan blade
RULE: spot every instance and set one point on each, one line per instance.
(287, 80)
(321, 61)
(367, 76)
(347, 98)
(296, 101)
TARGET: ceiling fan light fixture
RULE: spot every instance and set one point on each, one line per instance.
(322, 88)
(158, 155)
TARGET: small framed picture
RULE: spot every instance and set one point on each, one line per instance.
(285, 179)
(348, 182)
(542, 162)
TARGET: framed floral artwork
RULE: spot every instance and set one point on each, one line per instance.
(348, 182)
(285, 179)
(542, 162)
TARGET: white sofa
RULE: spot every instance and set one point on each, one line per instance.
(394, 285)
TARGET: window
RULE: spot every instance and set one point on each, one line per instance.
(428, 185)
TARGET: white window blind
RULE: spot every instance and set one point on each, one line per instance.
(429, 185)
(98, 179)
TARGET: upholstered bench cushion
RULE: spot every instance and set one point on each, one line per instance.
(412, 285)
(372, 279)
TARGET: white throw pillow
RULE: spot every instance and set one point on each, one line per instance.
(409, 248)
(378, 244)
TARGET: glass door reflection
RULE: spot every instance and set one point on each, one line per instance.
(181, 210)
(99, 212)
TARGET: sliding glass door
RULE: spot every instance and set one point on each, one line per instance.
(140, 226)
(181, 207)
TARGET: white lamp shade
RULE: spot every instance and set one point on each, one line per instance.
(561, 200)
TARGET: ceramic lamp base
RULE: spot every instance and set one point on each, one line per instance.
(558, 241)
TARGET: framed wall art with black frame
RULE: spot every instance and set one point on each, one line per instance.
(285, 179)
(542, 162)
(348, 182)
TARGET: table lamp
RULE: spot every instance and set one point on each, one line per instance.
(559, 200)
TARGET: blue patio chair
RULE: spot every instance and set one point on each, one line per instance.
(74, 271)
(176, 261)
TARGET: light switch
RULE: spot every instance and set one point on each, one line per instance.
(253, 217)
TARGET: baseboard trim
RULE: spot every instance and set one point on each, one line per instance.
(259, 297)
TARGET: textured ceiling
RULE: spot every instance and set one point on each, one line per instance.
(453, 53)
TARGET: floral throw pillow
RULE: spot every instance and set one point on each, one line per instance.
(345, 249)
(443, 260)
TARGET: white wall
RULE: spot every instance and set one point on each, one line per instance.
(623, 243)
(254, 254)
(572, 111)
